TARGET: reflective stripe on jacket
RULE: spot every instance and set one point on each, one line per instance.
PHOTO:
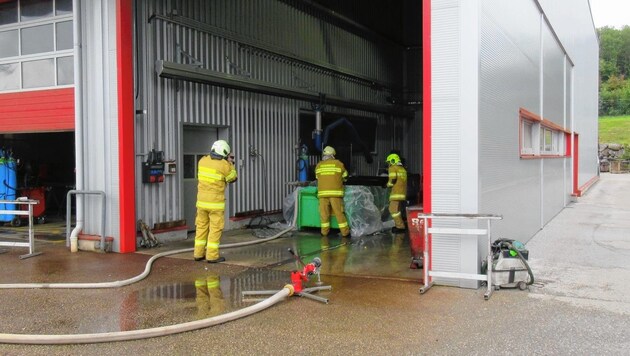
(213, 176)
(330, 175)
(398, 182)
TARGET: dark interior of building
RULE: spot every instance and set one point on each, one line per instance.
(38, 166)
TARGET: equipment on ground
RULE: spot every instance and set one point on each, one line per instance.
(297, 279)
(510, 268)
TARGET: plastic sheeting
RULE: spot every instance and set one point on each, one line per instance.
(366, 209)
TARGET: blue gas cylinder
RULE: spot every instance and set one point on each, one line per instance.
(11, 185)
(3, 187)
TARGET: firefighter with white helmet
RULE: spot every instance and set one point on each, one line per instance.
(330, 174)
(398, 182)
(215, 172)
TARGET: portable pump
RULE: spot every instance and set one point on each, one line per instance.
(510, 268)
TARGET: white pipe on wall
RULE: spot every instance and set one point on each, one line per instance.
(78, 120)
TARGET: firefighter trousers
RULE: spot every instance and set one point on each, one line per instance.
(209, 225)
(394, 210)
(325, 204)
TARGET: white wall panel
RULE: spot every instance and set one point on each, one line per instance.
(100, 117)
(553, 77)
(509, 79)
(553, 192)
(573, 24)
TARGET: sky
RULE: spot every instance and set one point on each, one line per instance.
(611, 13)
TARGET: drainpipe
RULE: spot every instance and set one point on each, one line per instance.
(78, 121)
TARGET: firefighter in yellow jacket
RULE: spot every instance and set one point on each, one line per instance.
(398, 182)
(330, 174)
(215, 172)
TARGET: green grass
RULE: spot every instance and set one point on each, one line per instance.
(614, 129)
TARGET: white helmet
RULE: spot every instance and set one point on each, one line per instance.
(329, 151)
(220, 148)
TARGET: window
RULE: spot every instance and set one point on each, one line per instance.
(65, 70)
(37, 39)
(64, 35)
(9, 76)
(9, 44)
(35, 9)
(36, 42)
(63, 7)
(527, 133)
(8, 12)
(541, 138)
(37, 74)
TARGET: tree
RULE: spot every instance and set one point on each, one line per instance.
(614, 70)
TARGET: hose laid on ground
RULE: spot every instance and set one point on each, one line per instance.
(146, 333)
(32, 339)
(137, 278)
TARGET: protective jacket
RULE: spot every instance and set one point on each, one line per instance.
(398, 182)
(330, 175)
(213, 176)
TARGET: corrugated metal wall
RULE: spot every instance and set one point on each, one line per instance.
(521, 65)
(207, 34)
(553, 101)
(513, 58)
(573, 24)
(446, 160)
(100, 116)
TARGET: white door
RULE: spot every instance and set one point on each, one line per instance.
(196, 143)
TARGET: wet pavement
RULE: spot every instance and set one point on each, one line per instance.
(580, 303)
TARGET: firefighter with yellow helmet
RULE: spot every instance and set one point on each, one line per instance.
(215, 172)
(398, 182)
(330, 174)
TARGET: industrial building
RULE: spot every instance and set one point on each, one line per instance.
(492, 103)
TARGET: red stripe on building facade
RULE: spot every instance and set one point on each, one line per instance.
(126, 172)
(426, 115)
(426, 105)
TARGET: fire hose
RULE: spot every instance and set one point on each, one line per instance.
(144, 333)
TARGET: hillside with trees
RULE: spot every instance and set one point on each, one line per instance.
(614, 70)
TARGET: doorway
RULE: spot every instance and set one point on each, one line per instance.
(196, 143)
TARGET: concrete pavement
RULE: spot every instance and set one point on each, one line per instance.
(578, 306)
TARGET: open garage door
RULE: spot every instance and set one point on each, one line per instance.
(44, 170)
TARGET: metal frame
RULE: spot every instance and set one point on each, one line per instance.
(31, 236)
(428, 272)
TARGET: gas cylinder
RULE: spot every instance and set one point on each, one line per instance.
(302, 164)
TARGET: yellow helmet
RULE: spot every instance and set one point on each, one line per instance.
(220, 148)
(329, 151)
(393, 159)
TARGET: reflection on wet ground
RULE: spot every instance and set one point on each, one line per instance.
(181, 290)
(266, 267)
